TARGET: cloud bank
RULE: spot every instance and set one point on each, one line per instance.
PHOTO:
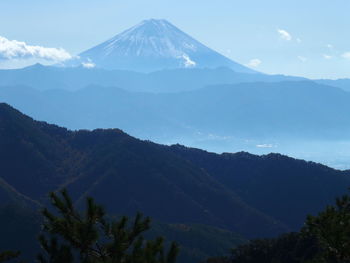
(13, 49)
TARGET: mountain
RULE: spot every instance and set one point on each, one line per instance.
(72, 79)
(154, 45)
(195, 194)
(125, 174)
(300, 119)
(282, 110)
(240, 192)
(19, 227)
(280, 186)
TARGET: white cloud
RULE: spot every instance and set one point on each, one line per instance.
(13, 49)
(254, 63)
(88, 65)
(188, 62)
(265, 146)
(302, 59)
(284, 34)
(346, 55)
(299, 40)
(325, 56)
(330, 46)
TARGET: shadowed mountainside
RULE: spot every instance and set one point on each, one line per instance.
(240, 192)
(121, 172)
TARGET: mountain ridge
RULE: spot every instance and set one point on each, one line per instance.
(247, 110)
(107, 163)
(164, 81)
(173, 184)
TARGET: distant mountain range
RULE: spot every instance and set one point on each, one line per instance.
(283, 110)
(254, 196)
(47, 78)
(153, 45)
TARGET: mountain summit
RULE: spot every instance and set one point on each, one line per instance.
(154, 45)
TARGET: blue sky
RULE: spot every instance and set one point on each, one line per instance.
(305, 38)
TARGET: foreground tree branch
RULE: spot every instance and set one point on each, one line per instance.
(89, 237)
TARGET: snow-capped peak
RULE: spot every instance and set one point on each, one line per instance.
(155, 44)
(152, 37)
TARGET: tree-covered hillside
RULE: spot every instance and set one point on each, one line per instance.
(186, 189)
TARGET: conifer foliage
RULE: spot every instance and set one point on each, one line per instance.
(332, 228)
(71, 236)
(325, 238)
(8, 255)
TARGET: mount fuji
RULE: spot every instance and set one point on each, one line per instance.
(154, 45)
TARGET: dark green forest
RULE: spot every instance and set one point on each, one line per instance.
(68, 235)
(207, 203)
(196, 242)
(325, 238)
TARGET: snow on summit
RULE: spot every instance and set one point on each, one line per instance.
(154, 45)
(150, 38)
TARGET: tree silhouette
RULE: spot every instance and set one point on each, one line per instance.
(8, 255)
(90, 237)
(332, 229)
